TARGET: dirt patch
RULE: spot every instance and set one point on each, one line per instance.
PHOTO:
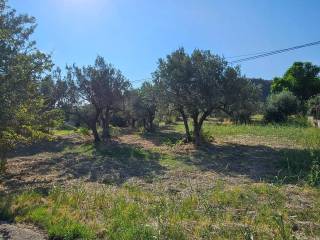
(48, 164)
(19, 232)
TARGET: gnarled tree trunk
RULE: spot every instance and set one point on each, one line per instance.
(197, 125)
(186, 126)
(151, 118)
(105, 118)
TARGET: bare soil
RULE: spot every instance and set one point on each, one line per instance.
(20, 232)
(41, 166)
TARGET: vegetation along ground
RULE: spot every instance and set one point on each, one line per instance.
(197, 150)
(153, 186)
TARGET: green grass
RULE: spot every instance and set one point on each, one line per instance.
(130, 212)
(63, 132)
(298, 147)
(169, 206)
(304, 136)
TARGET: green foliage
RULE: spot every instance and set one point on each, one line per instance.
(280, 106)
(300, 165)
(24, 113)
(142, 104)
(314, 106)
(299, 121)
(103, 87)
(84, 131)
(302, 79)
(200, 83)
(241, 99)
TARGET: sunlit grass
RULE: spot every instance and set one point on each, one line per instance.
(64, 132)
(305, 136)
(129, 212)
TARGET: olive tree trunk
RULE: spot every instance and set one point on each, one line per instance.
(197, 126)
(106, 125)
(186, 126)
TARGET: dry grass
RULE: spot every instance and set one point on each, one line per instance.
(151, 186)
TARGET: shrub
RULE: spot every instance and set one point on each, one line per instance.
(300, 166)
(314, 106)
(84, 131)
(280, 106)
(299, 121)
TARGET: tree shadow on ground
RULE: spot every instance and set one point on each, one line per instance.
(259, 163)
(165, 135)
(113, 163)
(48, 146)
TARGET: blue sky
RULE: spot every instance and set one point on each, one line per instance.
(134, 34)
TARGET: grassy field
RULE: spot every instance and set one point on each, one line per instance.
(248, 182)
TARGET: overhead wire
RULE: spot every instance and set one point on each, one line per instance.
(253, 56)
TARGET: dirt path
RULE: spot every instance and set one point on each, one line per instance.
(20, 232)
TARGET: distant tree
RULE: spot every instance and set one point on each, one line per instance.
(148, 104)
(240, 96)
(132, 107)
(141, 106)
(302, 79)
(264, 85)
(24, 115)
(100, 86)
(280, 106)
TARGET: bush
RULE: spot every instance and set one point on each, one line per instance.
(314, 106)
(300, 166)
(280, 106)
(299, 121)
(84, 131)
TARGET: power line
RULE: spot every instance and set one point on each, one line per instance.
(254, 56)
(141, 80)
(246, 55)
(266, 54)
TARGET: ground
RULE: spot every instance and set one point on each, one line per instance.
(20, 231)
(246, 182)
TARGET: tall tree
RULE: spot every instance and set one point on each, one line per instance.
(302, 79)
(103, 87)
(196, 85)
(148, 104)
(23, 111)
(172, 79)
(208, 74)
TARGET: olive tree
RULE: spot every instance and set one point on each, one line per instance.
(148, 105)
(172, 80)
(100, 86)
(197, 85)
(240, 96)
